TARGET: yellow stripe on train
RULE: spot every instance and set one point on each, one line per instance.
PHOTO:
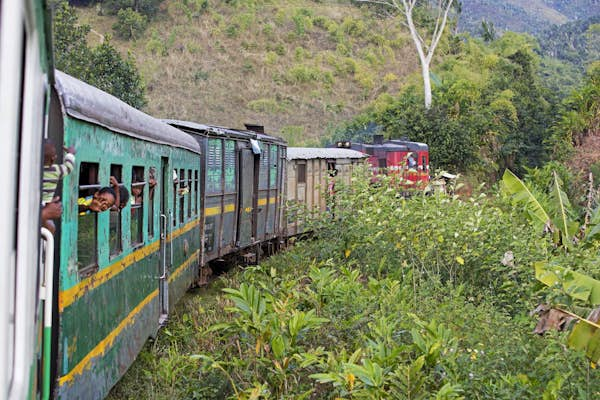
(69, 296)
(108, 341)
(263, 201)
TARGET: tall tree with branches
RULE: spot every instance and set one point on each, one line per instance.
(427, 42)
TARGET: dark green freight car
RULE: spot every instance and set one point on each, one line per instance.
(243, 189)
(119, 269)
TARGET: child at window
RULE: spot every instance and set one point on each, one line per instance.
(53, 173)
(102, 200)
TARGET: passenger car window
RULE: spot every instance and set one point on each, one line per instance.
(137, 205)
(151, 188)
(195, 199)
(87, 222)
(115, 231)
(190, 194)
(183, 190)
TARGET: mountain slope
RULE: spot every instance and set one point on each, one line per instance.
(532, 16)
(296, 67)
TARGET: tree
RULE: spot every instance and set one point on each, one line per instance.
(71, 52)
(101, 66)
(488, 32)
(130, 24)
(425, 46)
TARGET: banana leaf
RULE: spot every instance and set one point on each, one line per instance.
(521, 194)
(593, 230)
(575, 284)
(586, 336)
(562, 209)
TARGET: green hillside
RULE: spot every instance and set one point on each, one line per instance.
(298, 67)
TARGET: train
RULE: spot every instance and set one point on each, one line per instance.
(79, 303)
(406, 161)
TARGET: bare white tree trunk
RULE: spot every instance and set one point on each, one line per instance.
(425, 47)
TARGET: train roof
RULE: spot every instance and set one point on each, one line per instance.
(390, 145)
(307, 153)
(214, 130)
(196, 128)
(88, 103)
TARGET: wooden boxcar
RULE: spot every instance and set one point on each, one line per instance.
(242, 187)
(311, 176)
(119, 270)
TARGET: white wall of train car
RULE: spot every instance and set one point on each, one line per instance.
(308, 178)
(23, 84)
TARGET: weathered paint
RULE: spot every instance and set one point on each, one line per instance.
(106, 318)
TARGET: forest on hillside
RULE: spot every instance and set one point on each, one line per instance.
(530, 16)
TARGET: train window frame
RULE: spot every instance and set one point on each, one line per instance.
(175, 184)
(115, 232)
(181, 195)
(151, 179)
(86, 188)
(189, 194)
(301, 173)
(137, 236)
(196, 192)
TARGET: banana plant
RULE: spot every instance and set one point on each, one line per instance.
(585, 334)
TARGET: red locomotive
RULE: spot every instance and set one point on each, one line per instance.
(406, 160)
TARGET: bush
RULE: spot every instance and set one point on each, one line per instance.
(394, 298)
(269, 106)
(130, 24)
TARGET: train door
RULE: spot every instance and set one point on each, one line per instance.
(246, 209)
(165, 247)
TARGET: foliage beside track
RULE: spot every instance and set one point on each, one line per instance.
(425, 297)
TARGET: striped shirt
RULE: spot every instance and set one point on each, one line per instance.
(54, 173)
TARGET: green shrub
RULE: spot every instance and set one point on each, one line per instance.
(271, 58)
(269, 106)
(156, 45)
(201, 75)
(353, 27)
(302, 19)
(301, 74)
(232, 30)
(130, 24)
(300, 53)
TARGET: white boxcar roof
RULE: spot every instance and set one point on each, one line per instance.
(308, 153)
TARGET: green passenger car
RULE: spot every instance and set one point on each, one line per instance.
(119, 270)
